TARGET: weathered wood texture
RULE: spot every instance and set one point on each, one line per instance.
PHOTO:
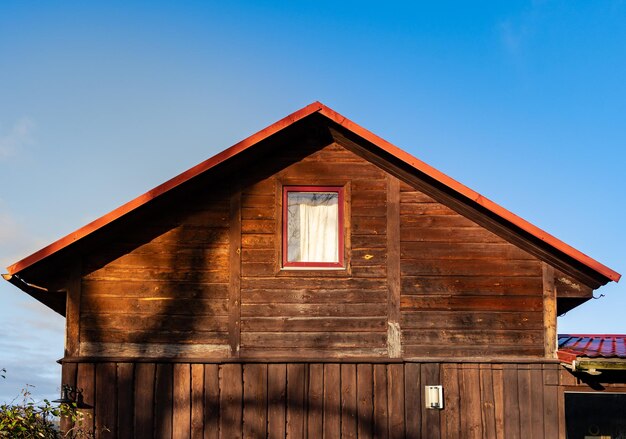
(316, 400)
(394, 342)
(204, 279)
(234, 290)
(72, 314)
(164, 283)
(303, 313)
(566, 286)
(466, 292)
(549, 311)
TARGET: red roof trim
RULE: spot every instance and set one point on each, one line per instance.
(567, 355)
(357, 129)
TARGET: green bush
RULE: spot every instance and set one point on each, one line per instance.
(25, 418)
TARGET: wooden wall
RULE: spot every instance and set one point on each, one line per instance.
(318, 400)
(170, 289)
(312, 313)
(203, 279)
(466, 292)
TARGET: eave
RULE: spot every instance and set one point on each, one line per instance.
(56, 299)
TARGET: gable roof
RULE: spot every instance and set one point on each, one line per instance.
(382, 146)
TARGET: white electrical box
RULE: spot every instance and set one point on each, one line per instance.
(434, 397)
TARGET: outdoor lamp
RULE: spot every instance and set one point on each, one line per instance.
(66, 395)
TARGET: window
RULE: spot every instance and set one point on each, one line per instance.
(313, 227)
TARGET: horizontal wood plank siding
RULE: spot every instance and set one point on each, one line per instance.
(300, 312)
(314, 399)
(163, 283)
(465, 291)
(168, 288)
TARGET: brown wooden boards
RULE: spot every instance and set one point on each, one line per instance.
(349, 412)
(255, 397)
(72, 314)
(231, 392)
(296, 408)
(234, 292)
(364, 400)
(276, 394)
(459, 277)
(125, 400)
(340, 312)
(163, 400)
(549, 311)
(106, 400)
(144, 397)
(332, 400)
(197, 403)
(394, 342)
(211, 401)
(165, 281)
(395, 395)
(86, 384)
(381, 410)
(499, 401)
(181, 401)
(451, 416)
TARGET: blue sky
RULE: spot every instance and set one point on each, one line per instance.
(524, 102)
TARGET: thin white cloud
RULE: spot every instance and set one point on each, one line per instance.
(19, 135)
(515, 32)
(513, 35)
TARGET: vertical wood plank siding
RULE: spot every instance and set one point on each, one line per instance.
(319, 400)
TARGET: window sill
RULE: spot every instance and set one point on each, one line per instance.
(313, 271)
(312, 268)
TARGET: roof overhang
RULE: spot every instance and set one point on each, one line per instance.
(55, 299)
(591, 366)
(592, 353)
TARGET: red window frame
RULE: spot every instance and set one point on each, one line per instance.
(340, 225)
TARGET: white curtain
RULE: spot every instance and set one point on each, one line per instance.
(318, 232)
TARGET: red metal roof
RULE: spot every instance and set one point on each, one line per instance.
(316, 107)
(572, 346)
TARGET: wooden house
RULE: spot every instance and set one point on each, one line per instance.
(313, 281)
